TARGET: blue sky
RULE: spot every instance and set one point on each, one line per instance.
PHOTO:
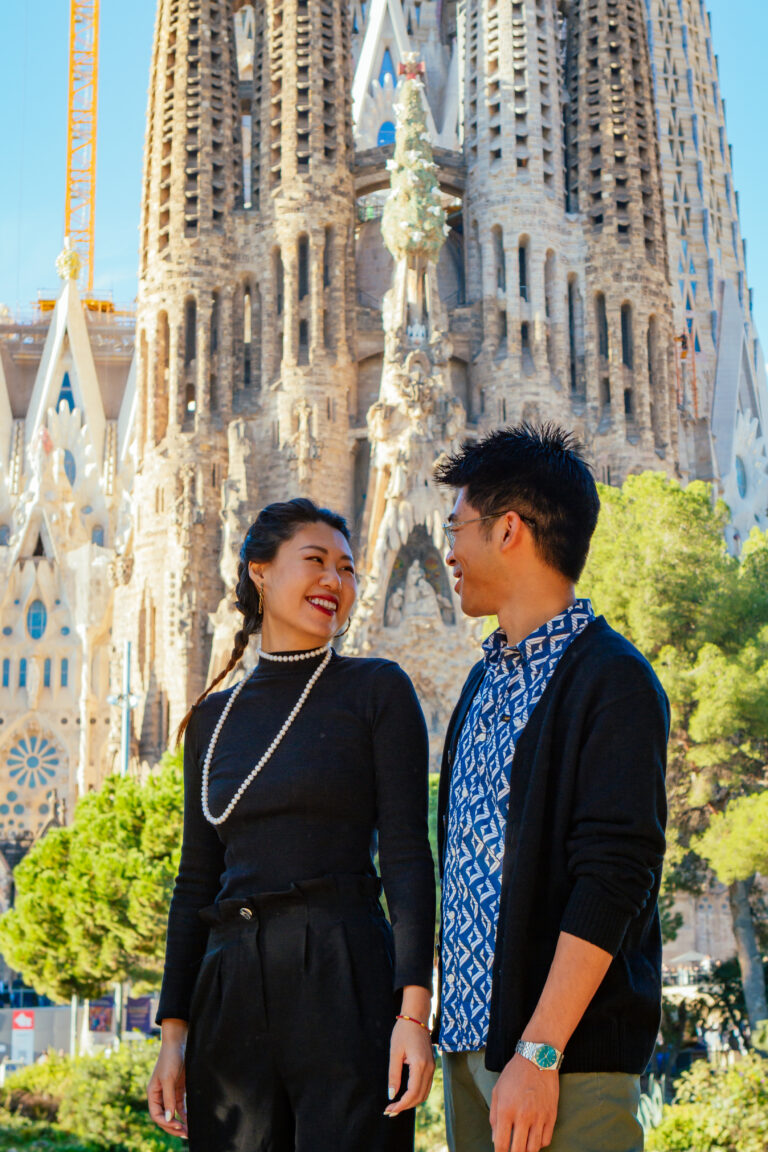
(33, 94)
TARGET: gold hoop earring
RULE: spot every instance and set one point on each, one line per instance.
(260, 591)
(344, 630)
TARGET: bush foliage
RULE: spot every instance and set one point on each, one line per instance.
(717, 1110)
(92, 1104)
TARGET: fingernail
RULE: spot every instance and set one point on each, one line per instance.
(168, 1116)
(391, 1094)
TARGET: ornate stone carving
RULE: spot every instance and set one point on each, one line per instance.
(68, 262)
(119, 570)
(303, 446)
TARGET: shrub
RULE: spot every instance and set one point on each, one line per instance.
(717, 1110)
(106, 1101)
(36, 1092)
(20, 1135)
(95, 1104)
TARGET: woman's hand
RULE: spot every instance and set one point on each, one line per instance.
(165, 1093)
(411, 1044)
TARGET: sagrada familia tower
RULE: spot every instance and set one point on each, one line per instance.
(370, 229)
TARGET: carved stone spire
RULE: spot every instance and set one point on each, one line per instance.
(406, 609)
(621, 331)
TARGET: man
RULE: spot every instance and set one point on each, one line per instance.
(550, 822)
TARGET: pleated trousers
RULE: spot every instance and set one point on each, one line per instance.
(290, 1024)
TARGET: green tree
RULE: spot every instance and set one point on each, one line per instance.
(92, 898)
(661, 573)
(735, 845)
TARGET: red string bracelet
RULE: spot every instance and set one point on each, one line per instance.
(413, 1020)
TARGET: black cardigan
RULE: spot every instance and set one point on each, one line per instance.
(583, 850)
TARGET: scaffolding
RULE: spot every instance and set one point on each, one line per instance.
(81, 131)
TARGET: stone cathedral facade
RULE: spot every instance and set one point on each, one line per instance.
(590, 269)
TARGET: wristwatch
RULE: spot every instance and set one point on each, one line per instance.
(544, 1056)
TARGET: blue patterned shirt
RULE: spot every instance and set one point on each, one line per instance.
(514, 681)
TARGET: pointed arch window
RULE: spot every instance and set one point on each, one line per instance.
(97, 535)
(6, 673)
(386, 134)
(627, 344)
(23, 672)
(5, 535)
(303, 267)
(500, 258)
(64, 678)
(47, 672)
(190, 332)
(66, 394)
(601, 317)
(70, 467)
(214, 323)
(522, 264)
(387, 68)
(37, 618)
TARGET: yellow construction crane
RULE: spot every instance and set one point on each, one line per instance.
(81, 131)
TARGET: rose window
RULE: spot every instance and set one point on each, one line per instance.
(31, 774)
(33, 762)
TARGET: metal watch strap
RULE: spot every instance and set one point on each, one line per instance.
(530, 1050)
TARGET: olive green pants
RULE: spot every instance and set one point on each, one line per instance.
(597, 1111)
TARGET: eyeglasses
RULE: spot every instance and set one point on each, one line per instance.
(451, 529)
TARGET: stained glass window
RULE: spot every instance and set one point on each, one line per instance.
(32, 762)
(386, 134)
(387, 68)
(69, 466)
(66, 394)
(36, 619)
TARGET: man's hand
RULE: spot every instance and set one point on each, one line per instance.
(524, 1107)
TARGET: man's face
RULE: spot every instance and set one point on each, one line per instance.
(473, 560)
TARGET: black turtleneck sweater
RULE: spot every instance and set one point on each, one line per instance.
(354, 761)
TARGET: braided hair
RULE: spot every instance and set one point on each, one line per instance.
(275, 524)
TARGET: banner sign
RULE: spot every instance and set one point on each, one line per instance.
(138, 1014)
(100, 1014)
(23, 1036)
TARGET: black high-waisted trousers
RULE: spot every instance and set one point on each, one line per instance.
(290, 1023)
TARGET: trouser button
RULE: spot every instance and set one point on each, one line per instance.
(246, 913)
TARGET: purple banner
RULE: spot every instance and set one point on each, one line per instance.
(138, 1014)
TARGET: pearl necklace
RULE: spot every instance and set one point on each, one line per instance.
(293, 656)
(277, 740)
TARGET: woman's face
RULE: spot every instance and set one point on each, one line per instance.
(309, 588)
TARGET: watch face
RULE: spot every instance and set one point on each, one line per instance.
(546, 1056)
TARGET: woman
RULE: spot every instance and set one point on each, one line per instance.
(289, 1006)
